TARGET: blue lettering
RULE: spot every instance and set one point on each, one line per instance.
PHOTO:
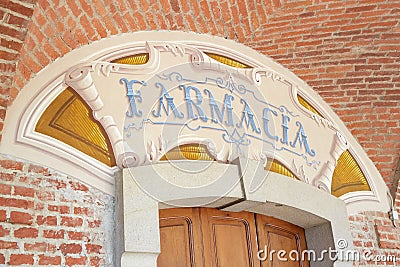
(266, 123)
(215, 109)
(132, 97)
(285, 120)
(190, 103)
(170, 103)
(248, 118)
(301, 137)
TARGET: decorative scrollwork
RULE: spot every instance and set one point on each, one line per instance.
(80, 79)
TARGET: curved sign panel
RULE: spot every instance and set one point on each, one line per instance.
(181, 95)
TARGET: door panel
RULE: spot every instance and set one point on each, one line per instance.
(179, 230)
(229, 238)
(275, 235)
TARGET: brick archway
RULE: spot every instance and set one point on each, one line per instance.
(333, 47)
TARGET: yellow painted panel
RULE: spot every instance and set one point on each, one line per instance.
(348, 176)
(138, 59)
(70, 120)
(227, 61)
(307, 105)
(188, 152)
(277, 167)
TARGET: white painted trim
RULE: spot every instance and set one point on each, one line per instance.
(18, 133)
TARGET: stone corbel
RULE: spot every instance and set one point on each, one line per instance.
(339, 145)
(80, 79)
(124, 156)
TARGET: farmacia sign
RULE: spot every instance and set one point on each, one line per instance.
(182, 96)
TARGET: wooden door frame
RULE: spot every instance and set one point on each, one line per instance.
(324, 217)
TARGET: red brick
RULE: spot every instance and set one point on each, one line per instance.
(61, 45)
(8, 245)
(12, 165)
(77, 235)
(4, 231)
(49, 260)
(10, 44)
(18, 217)
(87, 7)
(71, 221)
(26, 233)
(94, 224)
(21, 9)
(7, 176)
(101, 30)
(24, 191)
(2, 259)
(39, 170)
(93, 248)
(5, 189)
(45, 195)
(58, 184)
(19, 259)
(3, 215)
(341, 68)
(72, 6)
(60, 209)
(85, 211)
(70, 40)
(67, 249)
(40, 247)
(71, 261)
(110, 25)
(388, 245)
(87, 27)
(78, 186)
(81, 37)
(48, 220)
(96, 261)
(50, 51)
(54, 234)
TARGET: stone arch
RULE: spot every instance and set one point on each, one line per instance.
(227, 57)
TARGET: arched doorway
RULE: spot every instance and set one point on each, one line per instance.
(238, 100)
(209, 237)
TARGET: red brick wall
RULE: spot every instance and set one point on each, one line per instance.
(373, 233)
(49, 219)
(348, 51)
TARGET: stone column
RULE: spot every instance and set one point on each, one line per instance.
(138, 234)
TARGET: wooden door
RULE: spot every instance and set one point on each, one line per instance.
(275, 235)
(229, 238)
(205, 237)
(180, 234)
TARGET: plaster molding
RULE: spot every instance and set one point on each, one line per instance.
(299, 171)
(80, 80)
(324, 182)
